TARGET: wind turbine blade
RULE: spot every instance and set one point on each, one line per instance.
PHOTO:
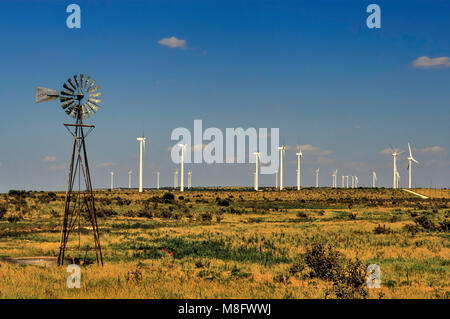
(409, 147)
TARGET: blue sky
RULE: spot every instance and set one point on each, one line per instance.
(311, 68)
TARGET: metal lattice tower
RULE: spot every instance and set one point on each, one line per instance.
(80, 100)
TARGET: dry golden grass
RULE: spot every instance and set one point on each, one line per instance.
(242, 255)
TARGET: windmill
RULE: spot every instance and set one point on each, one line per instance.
(353, 181)
(182, 146)
(80, 99)
(175, 179)
(395, 154)
(189, 179)
(343, 178)
(356, 181)
(282, 153)
(410, 160)
(317, 177)
(299, 156)
(276, 179)
(129, 178)
(141, 141)
(346, 178)
(112, 180)
(257, 154)
(374, 179)
(157, 180)
(334, 184)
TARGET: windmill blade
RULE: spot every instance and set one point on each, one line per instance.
(77, 81)
(87, 81)
(94, 106)
(65, 98)
(68, 93)
(68, 87)
(82, 80)
(95, 94)
(68, 104)
(72, 84)
(44, 94)
(409, 147)
(95, 100)
(91, 85)
(94, 89)
(414, 160)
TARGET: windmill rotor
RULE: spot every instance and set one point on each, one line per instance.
(80, 96)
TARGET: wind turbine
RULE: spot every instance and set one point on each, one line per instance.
(410, 160)
(183, 146)
(343, 178)
(346, 178)
(189, 179)
(257, 154)
(129, 178)
(175, 179)
(374, 179)
(299, 156)
(397, 180)
(112, 180)
(317, 177)
(141, 150)
(157, 180)
(353, 181)
(276, 179)
(335, 178)
(282, 152)
(356, 181)
(395, 154)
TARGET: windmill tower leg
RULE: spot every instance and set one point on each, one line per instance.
(81, 201)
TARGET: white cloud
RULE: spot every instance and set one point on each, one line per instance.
(48, 159)
(427, 62)
(315, 150)
(173, 42)
(431, 150)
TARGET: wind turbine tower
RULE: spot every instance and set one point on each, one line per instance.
(257, 154)
(183, 146)
(282, 152)
(410, 160)
(157, 180)
(299, 156)
(395, 154)
(317, 177)
(334, 184)
(175, 179)
(276, 179)
(343, 178)
(129, 178)
(374, 179)
(189, 179)
(112, 180)
(141, 150)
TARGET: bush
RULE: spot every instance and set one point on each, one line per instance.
(301, 215)
(3, 209)
(425, 222)
(223, 202)
(381, 230)
(206, 217)
(322, 260)
(168, 197)
(14, 217)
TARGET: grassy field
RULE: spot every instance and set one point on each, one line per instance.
(236, 243)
